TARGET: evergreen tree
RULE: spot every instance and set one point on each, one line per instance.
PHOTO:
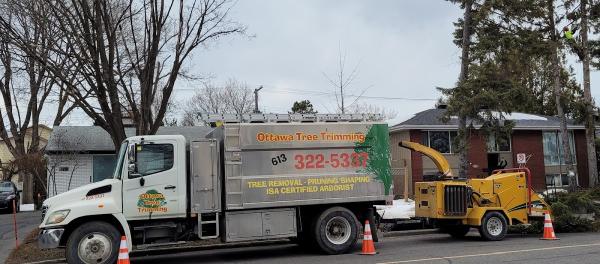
(512, 54)
(303, 107)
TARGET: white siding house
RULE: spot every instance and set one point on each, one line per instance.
(79, 155)
(66, 172)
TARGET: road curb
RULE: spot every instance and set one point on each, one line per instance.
(409, 232)
(50, 261)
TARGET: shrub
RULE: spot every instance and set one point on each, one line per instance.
(566, 208)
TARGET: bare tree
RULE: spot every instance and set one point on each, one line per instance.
(342, 81)
(158, 54)
(365, 108)
(232, 98)
(26, 86)
(127, 55)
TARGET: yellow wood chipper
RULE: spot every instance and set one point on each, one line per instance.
(490, 204)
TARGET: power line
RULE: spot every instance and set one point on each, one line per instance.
(311, 92)
(308, 92)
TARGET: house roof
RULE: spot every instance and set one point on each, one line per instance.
(432, 119)
(28, 130)
(96, 139)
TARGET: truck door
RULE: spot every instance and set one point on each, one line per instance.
(154, 186)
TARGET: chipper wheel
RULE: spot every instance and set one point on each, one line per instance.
(493, 226)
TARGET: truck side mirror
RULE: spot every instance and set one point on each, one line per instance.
(131, 168)
(131, 156)
(131, 153)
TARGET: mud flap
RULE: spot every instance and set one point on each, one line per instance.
(371, 218)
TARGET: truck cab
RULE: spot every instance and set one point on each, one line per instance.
(313, 182)
(149, 177)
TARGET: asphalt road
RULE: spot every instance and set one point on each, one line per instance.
(579, 248)
(26, 221)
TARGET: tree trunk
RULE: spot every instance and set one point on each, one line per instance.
(556, 84)
(27, 194)
(463, 135)
(587, 95)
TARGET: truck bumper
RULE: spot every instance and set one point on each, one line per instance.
(50, 238)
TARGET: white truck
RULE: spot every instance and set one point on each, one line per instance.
(254, 177)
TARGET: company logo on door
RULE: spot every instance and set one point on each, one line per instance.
(152, 201)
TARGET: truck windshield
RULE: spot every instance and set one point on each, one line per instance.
(120, 158)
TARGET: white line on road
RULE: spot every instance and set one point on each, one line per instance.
(490, 253)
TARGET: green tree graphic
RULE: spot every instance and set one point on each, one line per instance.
(377, 145)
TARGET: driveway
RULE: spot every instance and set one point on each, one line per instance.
(26, 221)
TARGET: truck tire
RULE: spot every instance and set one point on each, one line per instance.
(336, 230)
(493, 226)
(458, 231)
(94, 242)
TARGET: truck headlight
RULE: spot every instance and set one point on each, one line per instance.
(57, 217)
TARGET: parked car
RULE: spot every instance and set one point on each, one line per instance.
(8, 194)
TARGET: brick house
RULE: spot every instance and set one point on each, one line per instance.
(535, 135)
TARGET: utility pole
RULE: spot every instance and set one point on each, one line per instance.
(256, 99)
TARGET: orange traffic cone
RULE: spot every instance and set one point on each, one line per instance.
(548, 228)
(368, 248)
(123, 252)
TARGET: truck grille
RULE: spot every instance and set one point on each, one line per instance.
(455, 200)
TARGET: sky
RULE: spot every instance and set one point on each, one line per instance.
(402, 51)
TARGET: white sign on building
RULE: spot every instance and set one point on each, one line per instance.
(521, 158)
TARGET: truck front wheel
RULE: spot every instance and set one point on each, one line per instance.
(336, 230)
(94, 242)
(493, 226)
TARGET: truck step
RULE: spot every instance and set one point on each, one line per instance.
(208, 225)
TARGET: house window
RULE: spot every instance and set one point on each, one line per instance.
(557, 180)
(103, 167)
(442, 141)
(553, 148)
(63, 169)
(153, 158)
(498, 142)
